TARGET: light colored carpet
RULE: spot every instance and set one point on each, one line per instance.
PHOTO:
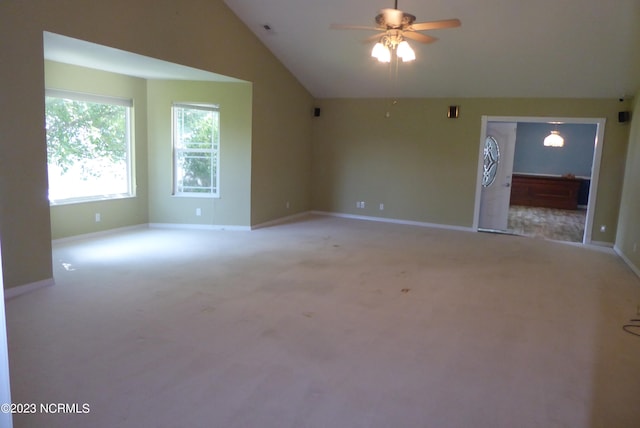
(329, 322)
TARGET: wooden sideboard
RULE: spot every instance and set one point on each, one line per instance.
(545, 191)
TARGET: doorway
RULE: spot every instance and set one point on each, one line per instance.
(496, 175)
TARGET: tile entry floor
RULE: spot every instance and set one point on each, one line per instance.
(548, 223)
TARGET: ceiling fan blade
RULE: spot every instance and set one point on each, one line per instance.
(354, 27)
(435, 25)
(422, 38)
(374, 38)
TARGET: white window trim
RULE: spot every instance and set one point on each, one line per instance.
(102, 99)
(88, 98)
(174, 138)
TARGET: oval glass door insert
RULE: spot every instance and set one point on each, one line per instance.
(490, 164)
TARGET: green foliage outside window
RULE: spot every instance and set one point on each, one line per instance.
(78, 131)
(88, 146)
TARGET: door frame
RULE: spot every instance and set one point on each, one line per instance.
(6, 418)
(595, 169)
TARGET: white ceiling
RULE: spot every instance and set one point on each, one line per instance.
(535, 48)
(86, 54)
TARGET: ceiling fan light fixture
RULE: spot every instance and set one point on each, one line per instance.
(381, 52)
(377, 50)
(554, 139)
(385, 55)
(393, 25)
(410, 57)
(405, 52)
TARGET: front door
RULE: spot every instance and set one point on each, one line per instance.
(499, 148)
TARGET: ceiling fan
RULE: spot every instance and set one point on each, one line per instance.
(394, 26)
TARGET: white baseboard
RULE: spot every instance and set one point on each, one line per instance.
(269, 223)
(600, 244)
(280, 220)
(97, 234)
(198, 226)
(395, 221)
(13, 292)
(633, 267)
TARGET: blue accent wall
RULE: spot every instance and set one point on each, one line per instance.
(576, 157)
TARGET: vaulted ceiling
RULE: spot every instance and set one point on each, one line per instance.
(534, 48)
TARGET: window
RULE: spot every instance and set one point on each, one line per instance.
(88, 147)
(196, 150)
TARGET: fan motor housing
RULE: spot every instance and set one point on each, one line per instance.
(407, 20)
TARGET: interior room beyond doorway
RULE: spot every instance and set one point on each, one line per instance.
(551, 189)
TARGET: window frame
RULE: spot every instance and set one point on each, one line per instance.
(215, 151)
(129, 142)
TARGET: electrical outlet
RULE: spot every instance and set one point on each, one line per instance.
(381, 207)
(98, 217)
(288, 205)
(362, 204)
(603, 228)
(198, 212)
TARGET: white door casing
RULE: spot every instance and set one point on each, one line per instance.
(595, 174)
(6, 418)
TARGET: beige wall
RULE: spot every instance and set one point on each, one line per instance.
(234, 204)
(79, 218)
(281, 169)
(628, 238)
(422, 166)
(196, 33)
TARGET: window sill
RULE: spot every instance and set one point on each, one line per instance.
(89, 199)
(196, 195)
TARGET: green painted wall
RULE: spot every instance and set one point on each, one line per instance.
(628, 238)
(233, 207)
(422, 166)
(153, 172)
(77, 219)
(192, 33)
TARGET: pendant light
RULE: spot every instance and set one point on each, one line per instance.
(554, 139)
